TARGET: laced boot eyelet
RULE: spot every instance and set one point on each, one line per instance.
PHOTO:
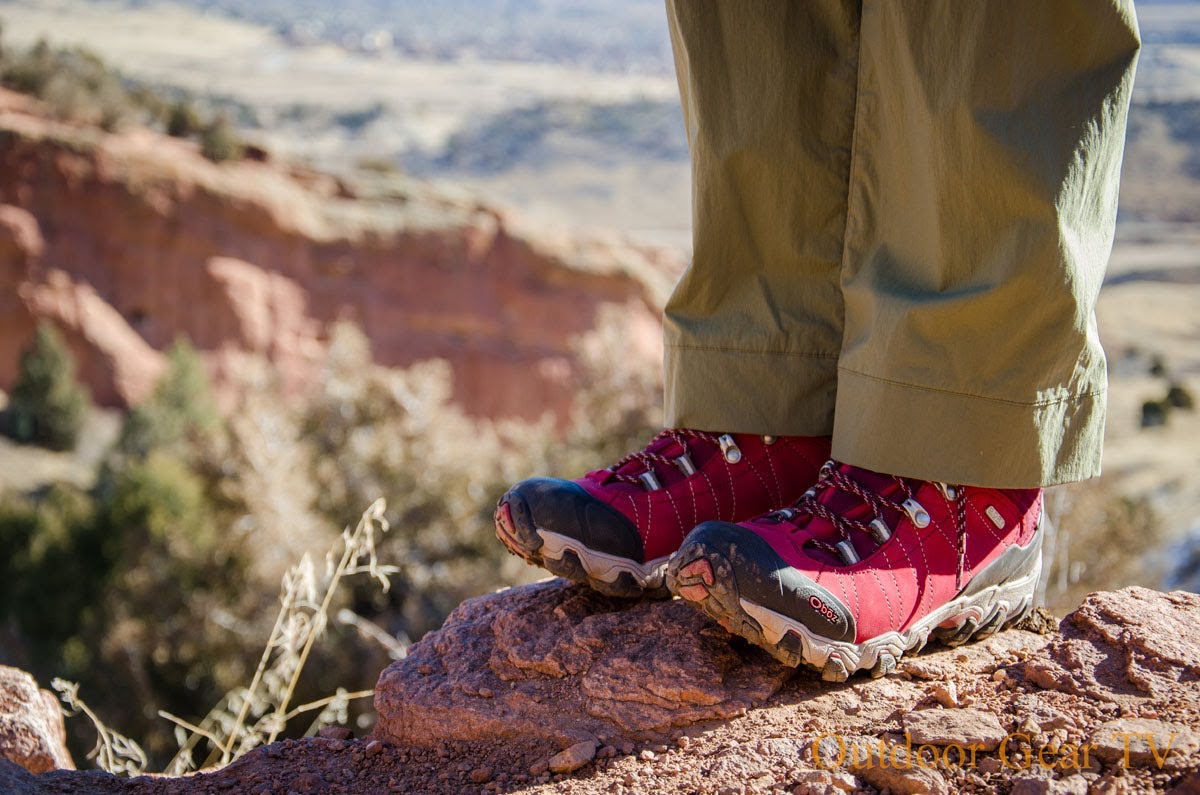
(847, 552)
(916, 513)
(684, 462)
(948, 491)
(880, 531)
(729, 449)
(650, 481)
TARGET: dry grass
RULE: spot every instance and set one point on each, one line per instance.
(258, 713)
(113, 752)
(1099, 540)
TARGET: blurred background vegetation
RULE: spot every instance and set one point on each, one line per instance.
(155, 587)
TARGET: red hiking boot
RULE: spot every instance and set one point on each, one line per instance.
(614, 528)
(866, 567)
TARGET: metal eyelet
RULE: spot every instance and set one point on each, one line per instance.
(650, 481)
(948, 491)
(729, 449)
(684, 462)
(769, 440)
(780, 515)
(917, 513)
(847, 552)
(880, 531)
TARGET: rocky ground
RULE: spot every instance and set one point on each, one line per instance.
(552, 688)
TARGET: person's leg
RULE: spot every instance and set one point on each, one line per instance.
(987, 148)
(983, 197)
(754, 328)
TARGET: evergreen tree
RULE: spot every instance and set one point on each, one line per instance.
(182, 121)
(48, 405)
(219, 142)
(178, 413)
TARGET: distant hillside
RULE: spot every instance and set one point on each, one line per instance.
(1161, 175)
(616, 35)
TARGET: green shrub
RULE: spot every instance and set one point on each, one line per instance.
(30, 72)
(1154, 413)
(52, 566)
(219, 142)
(74, 82)
(179, 412)
(118, 591)
(379, 165)
(1180, 397)
(48, 405)
(182, 120)
(164, 502)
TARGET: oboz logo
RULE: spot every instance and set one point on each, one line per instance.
(825, 610)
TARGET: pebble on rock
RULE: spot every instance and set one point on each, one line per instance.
(574, 757)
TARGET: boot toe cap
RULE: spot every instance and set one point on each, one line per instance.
(762, 576)
(564, 507)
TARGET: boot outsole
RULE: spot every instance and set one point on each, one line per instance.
(706, 579)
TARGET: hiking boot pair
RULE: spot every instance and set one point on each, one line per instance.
(817, 562)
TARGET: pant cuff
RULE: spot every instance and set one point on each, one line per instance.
(931, 434)
(763, 392)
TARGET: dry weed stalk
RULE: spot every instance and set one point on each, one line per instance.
(255, 715)
(113, 751)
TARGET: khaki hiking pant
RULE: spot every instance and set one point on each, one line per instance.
(903, 210)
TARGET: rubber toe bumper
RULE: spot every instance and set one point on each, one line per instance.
(744, 566)
(557, 525)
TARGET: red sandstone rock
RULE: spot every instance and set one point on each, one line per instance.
(954, 726)
(1120, 647)
(31, 724)
(129, 240)
(570, 665)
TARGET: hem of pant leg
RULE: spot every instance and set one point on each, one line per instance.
(936, 434)
(747, 391)
(1028, 404)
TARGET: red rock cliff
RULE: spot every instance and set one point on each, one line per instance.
(128, 240)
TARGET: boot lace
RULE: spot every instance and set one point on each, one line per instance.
(649, 459)
(903, 502)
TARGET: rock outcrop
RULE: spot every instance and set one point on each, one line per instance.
(550, 688)
(31, 724)
(128, 240)
(566, 664)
